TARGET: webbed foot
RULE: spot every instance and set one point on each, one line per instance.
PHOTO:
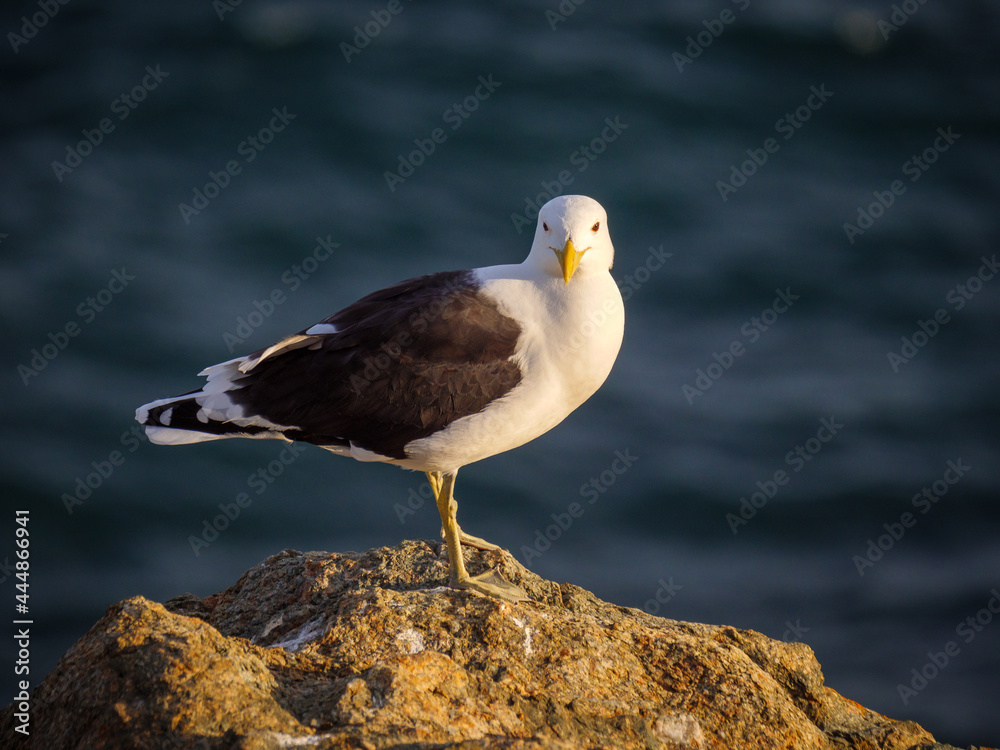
(493, 584)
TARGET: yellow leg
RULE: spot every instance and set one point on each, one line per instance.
(490, 583)
(468, 540)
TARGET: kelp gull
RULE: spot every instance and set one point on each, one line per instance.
(432, 373)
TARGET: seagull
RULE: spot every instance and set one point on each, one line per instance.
(433, 373)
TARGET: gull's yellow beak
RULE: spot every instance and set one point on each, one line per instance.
(569, 260)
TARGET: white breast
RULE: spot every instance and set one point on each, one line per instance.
(570, 338)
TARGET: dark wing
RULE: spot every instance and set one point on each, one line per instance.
(404, 363)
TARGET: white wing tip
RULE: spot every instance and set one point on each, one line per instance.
(171, 436)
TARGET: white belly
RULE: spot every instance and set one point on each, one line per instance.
(568, 345)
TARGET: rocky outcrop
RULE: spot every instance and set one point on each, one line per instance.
(371, 650)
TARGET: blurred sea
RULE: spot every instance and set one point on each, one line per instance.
(737, 137)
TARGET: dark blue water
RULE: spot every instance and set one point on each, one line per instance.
(765, 354)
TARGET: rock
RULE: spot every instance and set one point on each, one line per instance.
(370, 650)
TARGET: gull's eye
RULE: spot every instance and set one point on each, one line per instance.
(545, 226)
(597, 225)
